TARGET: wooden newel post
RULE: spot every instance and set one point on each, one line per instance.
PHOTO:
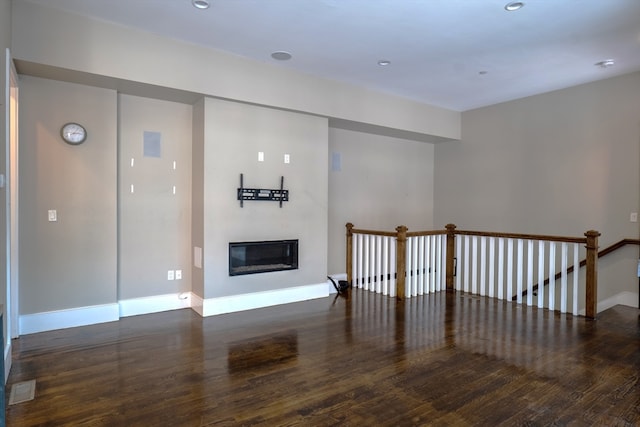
(401, 260)
(451, 240)
(592, 274)
(349, 252)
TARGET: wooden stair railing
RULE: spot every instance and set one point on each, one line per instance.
(602, 253)
(590, 240)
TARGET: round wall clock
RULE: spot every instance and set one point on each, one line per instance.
(73, 133)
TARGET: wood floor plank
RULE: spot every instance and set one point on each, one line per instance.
(442, 359)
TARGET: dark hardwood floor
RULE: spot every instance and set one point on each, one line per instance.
(443, 359)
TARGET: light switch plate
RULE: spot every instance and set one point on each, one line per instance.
(178, 274)
(633, 217)
(53, 215)
(170, 275)
(287, 159)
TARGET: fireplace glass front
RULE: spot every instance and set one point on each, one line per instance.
(262, 257)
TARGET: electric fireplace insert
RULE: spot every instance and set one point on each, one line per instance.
(262, 257)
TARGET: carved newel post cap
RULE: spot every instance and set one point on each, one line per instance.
(592, 233)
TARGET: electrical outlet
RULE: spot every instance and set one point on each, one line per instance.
(53, 215)
(178, 274)
(287, 158)
(171, 275)
(633, 217)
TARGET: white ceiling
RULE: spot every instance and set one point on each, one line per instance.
(437, 48)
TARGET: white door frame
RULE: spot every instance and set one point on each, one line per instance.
(11, 187)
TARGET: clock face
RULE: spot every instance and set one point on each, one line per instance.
(73, 133)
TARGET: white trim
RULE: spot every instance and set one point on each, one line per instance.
(630, 299)
(197, 304)
(60, 319)
(234, 303)
(623, 298)
(154, 304)
(7, 361)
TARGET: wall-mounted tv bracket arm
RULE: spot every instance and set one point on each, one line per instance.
(274, 195)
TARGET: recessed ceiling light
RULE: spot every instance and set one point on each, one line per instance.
(384, 62)
(606, 63)
(281, 55)
(513, 6)
(200, 4)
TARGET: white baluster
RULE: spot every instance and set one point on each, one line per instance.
(483, 265)
(563, 278)
(372, 264)
(432, 260)
(378, 264)
(421, 265)
(408, 282)
(441, 278)
(500, 268)
(492, 266)
(459, 262)
(509, 268)
(520, 269)
(365, 271)
(529, 272)
(385, 265)
(541, 274)
(576, 274)
(466, 261)
(393, 246)
(414, 266)
(474, 263)
(552, 275)
(358, 260)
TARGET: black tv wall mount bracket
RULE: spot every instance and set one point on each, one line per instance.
(270, 195)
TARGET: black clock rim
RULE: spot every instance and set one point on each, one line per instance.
(73, 142)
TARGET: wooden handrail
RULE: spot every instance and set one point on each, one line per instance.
(566, 239)
(426, 233)
(570, 269)
(374, 232)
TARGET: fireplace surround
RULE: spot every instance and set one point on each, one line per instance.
(262, 256)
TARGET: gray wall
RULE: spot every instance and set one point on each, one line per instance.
(234, 134)
(72, 262)
(380, 183)
(558, 163)
(197, 197)
(154, 223)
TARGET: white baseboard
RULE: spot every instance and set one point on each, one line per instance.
(197, 304)
(234, 303)
(154, 304)
(629, 299)
(60, 319)
(623, 298)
